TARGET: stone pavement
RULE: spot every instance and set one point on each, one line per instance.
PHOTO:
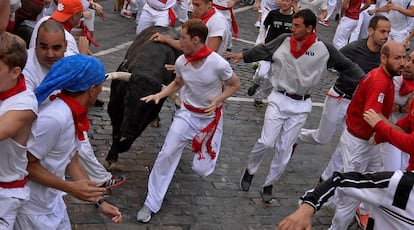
(192, 202)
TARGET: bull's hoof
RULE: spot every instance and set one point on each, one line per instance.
(156, 123)
(110, 165)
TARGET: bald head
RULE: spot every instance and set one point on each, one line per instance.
(393, 58)
(392, 46)
(50, 43)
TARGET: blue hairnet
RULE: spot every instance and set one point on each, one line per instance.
(75, 73)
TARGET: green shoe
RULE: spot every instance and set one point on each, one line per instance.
(252, 89)
(255, 65)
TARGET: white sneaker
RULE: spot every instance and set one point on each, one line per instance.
(257, 24)
(144, 215)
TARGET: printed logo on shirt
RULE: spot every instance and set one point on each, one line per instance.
(381, 98)
(309, 53)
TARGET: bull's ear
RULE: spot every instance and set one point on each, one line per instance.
(123, 76)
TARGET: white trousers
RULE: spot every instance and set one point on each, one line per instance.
(8, 211)
(356, 158)
(185, 126)
(331, 6)
(393, 158)
(283, 121)
(151, 17)
(343, 32)
(58, 220)
(398, 35)
(333, 114)
(361, 30)
(95, 170)
(181, 10)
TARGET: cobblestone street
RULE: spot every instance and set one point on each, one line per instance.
(192, 202)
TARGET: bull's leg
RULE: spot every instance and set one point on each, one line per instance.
(156, 122)
(116, 148)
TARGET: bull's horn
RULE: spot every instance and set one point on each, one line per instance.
(123, 76)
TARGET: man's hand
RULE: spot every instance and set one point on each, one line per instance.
(83, 45)
(110, 211)
(170, 67)
(212, 107)
(86, 190)
(157, 37)
(301, 219)
(236, 57)
(153, 97)
(371, 117)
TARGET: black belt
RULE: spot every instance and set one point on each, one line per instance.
(295, 96)
(338, 91)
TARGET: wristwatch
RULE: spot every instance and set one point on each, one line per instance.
(99, 202)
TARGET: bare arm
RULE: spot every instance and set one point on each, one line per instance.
(82, 189)
(301, 219)
(214, 43)
(345, 5)
(372, 118)
(157, 37)
(4, 14)
(173, 87)
(407, 12)
(16, 124)
(76, 170)
(367, 3)
(235, 56)
(232, 85)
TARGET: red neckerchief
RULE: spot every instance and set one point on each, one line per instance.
(67, 26)
(88, 34)
(234, 25)
(208, 15)
(407, 87)
(171, 16)
(19, 87)
(305, 45)
(201, 53)
(207, 131)
(79, 114)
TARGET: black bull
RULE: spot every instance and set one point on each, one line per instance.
(146, 60)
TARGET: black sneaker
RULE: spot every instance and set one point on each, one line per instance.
(294, 148)
(267, 194)
(113, 182)
(258, 103)
(252, 89)
(99, 103)
(246, 181)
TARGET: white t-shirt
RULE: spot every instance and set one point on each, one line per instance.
(203, 83)
(160, 5)
(33, 72)
(399, 22)
(13, 161)
(218, 26)
(315, 6)
(55, 145)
